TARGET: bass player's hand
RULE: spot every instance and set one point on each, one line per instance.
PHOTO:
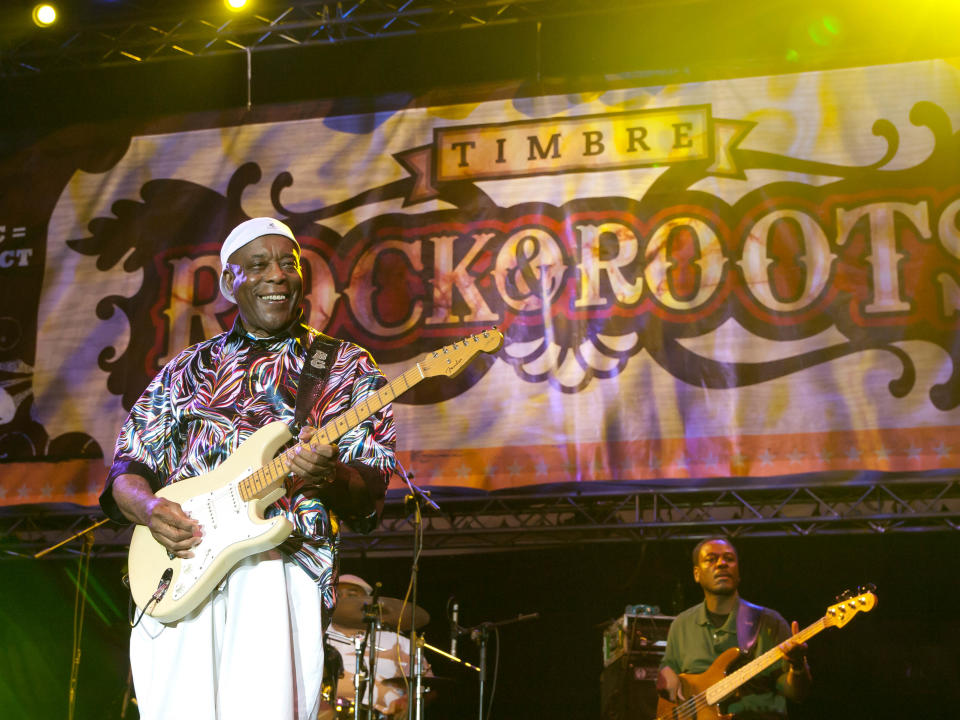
(795, 652)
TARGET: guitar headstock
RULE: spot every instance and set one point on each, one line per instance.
(450, 360)
(839, 614)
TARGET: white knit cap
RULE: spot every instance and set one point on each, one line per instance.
(247, 232)
(355, 580)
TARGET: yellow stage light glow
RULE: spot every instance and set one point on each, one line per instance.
(825, 30)
(235, 5)
(44, 15)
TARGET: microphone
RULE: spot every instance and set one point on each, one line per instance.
(371, 610)
(454, 627)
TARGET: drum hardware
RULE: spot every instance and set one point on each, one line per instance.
(345, 708)
(358, 677)
(332, 672)
(372, 614)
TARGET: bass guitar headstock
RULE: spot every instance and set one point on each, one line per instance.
(839, 614)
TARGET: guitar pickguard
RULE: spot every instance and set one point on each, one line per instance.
(225, 520)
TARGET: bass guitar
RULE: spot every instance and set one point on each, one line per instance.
(229, 501)
(705, 691)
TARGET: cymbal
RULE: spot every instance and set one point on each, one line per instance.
(349, 612)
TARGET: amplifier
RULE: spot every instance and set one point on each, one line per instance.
(633, 646)
(635, 633)
(628, 688)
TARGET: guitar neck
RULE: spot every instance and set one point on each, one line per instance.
(273, 473)
(716, 692)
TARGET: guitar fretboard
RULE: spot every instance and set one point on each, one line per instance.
(719, 690)
(274, 472)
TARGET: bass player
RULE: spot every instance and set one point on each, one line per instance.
(724, 620)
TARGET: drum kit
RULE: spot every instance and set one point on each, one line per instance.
(351, 658)
(351, 611)
(370, 625)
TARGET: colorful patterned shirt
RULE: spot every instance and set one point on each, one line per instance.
(212, 396)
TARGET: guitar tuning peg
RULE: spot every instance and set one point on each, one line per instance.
(845, 595)
(869, 587)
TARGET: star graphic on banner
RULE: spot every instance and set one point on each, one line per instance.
(913, 452)
(881, 453)
(492, 470)
(766, 457)
(796, 456)
(942, 450)
(681, 463)
(541, 467)
(738, 459)
(712, 461)
(654, 462)
(853, 454)
(46, 490)
(463, 471)
(3, 491)
(515, 468)
(23, 491)
(825, 455)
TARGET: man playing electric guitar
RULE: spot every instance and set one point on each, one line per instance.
(699, 635)
(253, 647)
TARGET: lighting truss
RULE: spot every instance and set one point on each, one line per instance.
(152, 30)
(501, 523)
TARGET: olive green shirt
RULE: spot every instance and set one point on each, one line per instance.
(693, 643)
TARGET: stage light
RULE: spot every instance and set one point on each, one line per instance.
(825, 30)
(44, 15)
(235, 5)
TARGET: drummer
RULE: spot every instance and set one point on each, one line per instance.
(393, 649)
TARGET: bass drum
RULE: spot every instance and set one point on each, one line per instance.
(344, 709)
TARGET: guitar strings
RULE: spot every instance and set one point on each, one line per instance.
(698, 702)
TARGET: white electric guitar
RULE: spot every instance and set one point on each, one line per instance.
(229, 501)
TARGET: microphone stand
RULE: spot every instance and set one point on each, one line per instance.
(416, 496)
(359, 648)
(79, 607)
(481, 634)
(372, 614)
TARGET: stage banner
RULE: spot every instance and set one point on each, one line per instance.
(751, 277)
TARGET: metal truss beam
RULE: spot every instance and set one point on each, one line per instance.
(501, 523)
(157, 29)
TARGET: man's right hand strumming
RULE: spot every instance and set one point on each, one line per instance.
(168, 523)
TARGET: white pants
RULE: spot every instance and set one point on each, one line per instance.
(254, 649)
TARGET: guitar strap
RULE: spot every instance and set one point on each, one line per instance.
(316, 367)
(748, 625)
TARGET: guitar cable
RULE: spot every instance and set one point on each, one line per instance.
(157, 596)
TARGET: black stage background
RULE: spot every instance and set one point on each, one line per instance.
(898, 661)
